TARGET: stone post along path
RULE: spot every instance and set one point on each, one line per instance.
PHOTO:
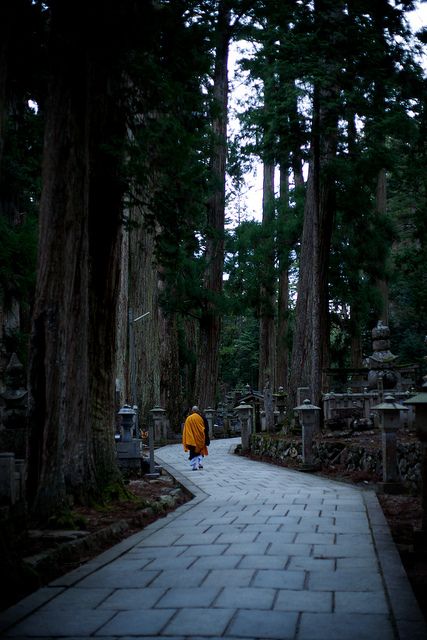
(260, 552)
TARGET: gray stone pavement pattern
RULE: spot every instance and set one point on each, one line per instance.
(260, 552)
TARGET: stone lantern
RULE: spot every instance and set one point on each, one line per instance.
(210, 414)
(280, 403)
(244, 412)
(154, 433)
(128, 449)
(158, 414)
(127, 415)
(308, 415)
(419, 401)
(389, 411)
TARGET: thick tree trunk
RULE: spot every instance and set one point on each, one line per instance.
(60, 451)
(105, 213)
(296, 141)
(210, 323)
(143, 386)
(310, 346)
(71, 445)
(381, 207)
(303, 332)
(311, 338)
(282, 350)
(267, 333)
(122, 324)
(292, 160)
(378, 138)
(153, 369)
(356, 351)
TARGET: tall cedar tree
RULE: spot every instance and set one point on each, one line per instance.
(71, 445)
(267, 308)
(379, 85)
(168, 171)
(276, 133)
(311, 322)
(210, 321)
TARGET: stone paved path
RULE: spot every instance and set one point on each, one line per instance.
(260, 552)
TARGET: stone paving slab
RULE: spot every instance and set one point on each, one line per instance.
(260, 552)
(345, 626)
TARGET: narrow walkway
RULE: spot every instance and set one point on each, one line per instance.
(260, 552)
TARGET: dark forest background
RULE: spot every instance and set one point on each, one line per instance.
(129, 268)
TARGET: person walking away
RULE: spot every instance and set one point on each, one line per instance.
(194, 439)
(207, 438)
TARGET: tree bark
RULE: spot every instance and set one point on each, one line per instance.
(60, 452)
(107, 122)
(267, 332)
(210, 323)
(282, 350)
(311, 338)
(381, 207)
(144, 364)
(151, 371)
(303, 333)
(71, 445)
(291, 160)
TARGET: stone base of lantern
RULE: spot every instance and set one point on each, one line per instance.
(390, 488)
(130, 449)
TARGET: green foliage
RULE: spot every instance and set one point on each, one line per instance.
(18, 259)
(115, 491)
(169, 150)
(239, 352)
(243, 266)
(66, 519)
(20, 182)
(379, 102)
(380, 106)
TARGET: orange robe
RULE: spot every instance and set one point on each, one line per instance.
(194, 434)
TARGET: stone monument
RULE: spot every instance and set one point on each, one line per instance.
(381, 361)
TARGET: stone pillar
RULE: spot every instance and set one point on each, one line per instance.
(158, 414)
(154, 433)
(380, 386)
(389, 411)
(308, 414)
(210, 415)
(244, 412)
(419, 402)
(366, 403)
(7, 478)
(268, 408)
(280, 404)
(20, 470)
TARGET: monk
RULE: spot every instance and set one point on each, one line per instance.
(194, 438)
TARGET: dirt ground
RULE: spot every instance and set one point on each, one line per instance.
(35, 558)
(31, 558)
